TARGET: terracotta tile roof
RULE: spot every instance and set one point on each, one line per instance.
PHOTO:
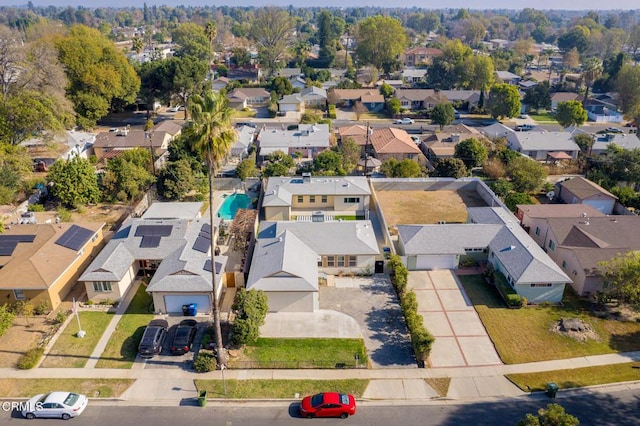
(391, 140)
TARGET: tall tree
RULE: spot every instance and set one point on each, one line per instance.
(350, 153)
(628, 88)
(210, 31)
(406, 168)
(192, 40)
(504, 101)
(328, 163)
(211, 134)
(74, 182)
(570, 113)
(538, 96)
(472, 152)
(381, 40)
(184, 76)
(271, 29)
(100, 75)
(443, 114)
(447, 70)
(526, 174)
(450, 167)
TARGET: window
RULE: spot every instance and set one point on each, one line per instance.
(19, 295)
(330, 261)
(102, 286)
(552, 245)
(352, 260)
(340, 260)
(312, 198)
(541, 285)
(324, 199)
(537, 231)
(351, 200)
(300, 199)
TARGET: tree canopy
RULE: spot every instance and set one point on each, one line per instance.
(472, 152)
(443, 114)
(381, 39)
(406, 168)
(74, 182)
(271, 29)
(570, 113)
(526, 174)
(553, 415)
(504, 101)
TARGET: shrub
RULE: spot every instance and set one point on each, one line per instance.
(31, 358)
(422, 342)
(64, 214)
(244, 331)
(36, 207)
(514, 300)
(205, 361)
(252, 307)
(42, 309)
(332, 112)
(6, 318)
(61, 317)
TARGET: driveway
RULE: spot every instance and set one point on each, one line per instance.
(372, 302)
(461, 339)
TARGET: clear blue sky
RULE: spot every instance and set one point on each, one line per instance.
(427, 4)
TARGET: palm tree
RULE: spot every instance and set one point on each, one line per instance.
(210, 133)
(591, 70)
(211, 32)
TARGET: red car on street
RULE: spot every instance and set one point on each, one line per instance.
(328, 404)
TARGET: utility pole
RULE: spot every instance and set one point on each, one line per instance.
(147, 136)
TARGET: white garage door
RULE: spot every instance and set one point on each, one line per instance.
(294, 301)
(436, 262)
(173, 303)
(288, 107)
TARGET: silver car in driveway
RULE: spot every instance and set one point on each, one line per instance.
(59, 405)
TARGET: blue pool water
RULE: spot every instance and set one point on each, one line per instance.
(231, 205)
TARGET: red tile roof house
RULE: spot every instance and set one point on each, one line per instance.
(395, 143)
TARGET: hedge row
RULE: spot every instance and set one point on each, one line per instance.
(421, 339)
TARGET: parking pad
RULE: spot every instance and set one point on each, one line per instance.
(461, 339)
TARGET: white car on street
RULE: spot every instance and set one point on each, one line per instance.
(405, 120)
(59, 405)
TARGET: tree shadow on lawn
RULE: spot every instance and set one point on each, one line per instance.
(629, 342)
(388, 327)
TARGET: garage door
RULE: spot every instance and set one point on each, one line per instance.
(436, 262)
(173, 303)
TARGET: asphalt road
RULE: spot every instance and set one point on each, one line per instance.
(620, 409)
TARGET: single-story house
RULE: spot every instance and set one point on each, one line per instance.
(414, 75)
(493, 236)
(110, 144)
(248, 75)
(443, 144)
(291, 103)
(308, 139)
(539, 145)
(370, 98)
(579, 190)
(341, 246)
(419, 56)
(171, 244)
(578, 245)
(41, 263)
(220, 83)
(508, 77)
(391, 142)
(245, 137)
(243, 97)
(314, 97)
(627, 141)
(417, 99)
(558, 97)
(287, 198)
(286, 269)
(496, 131)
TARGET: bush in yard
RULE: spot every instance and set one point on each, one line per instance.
(251, 307)
(204, 362)
(6, 319)
(514, 300)
(244, 331)
(31, 358)
(42, 309)
(422, 342)
(400, 274)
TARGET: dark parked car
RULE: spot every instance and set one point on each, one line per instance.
(183, 339)
(153, 338)
(328, 404)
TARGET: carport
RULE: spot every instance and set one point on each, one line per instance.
(461, 339)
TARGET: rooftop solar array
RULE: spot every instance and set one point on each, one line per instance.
(7, 247)
(207, 265)
(18, 238)
(154, 230)
(202, 244)
(75, 237)
(150, 241)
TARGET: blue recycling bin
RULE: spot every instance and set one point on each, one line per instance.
(192, 309)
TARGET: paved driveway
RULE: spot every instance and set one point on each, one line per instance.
(461, 339)
(372, 302)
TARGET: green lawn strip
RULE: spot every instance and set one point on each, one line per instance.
(103, 388)
(523, 335)
(303, 353)
(543, 118)
(256, 389)
(123, 345)
(70, 351)
(577, 377)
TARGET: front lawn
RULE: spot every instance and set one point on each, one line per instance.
(70, 351)
(93, 388)
(577, 377)
(122, 348)
(301, 353)
(523, 335)
(544, 118)
(257, 389)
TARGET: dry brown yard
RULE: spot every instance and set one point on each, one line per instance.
(426, 207)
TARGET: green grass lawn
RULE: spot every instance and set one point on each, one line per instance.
(543, 117)
(256, 389)
(103, 388)
(301, 353)
(70, 351)
(123, 345)
(577, 377)
(523, 335)
(243, 114)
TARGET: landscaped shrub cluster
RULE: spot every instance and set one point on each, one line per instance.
(332, 112)
(509, 295)
(251, 309)
(6, 319)
(421, 339)
(205, 361)
(31, 358)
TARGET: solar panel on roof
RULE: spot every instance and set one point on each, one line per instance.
(154, 230)
(18, 238)
(75, 237)
(7, 247)
(150, 241)
(205, 228)
(202, 244)
(207, 265)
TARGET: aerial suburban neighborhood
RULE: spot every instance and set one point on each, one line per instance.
(393, 214)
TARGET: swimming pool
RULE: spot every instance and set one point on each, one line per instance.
(231, 205)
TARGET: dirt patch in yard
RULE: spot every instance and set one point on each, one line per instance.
(20, 337)
(427, 207)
